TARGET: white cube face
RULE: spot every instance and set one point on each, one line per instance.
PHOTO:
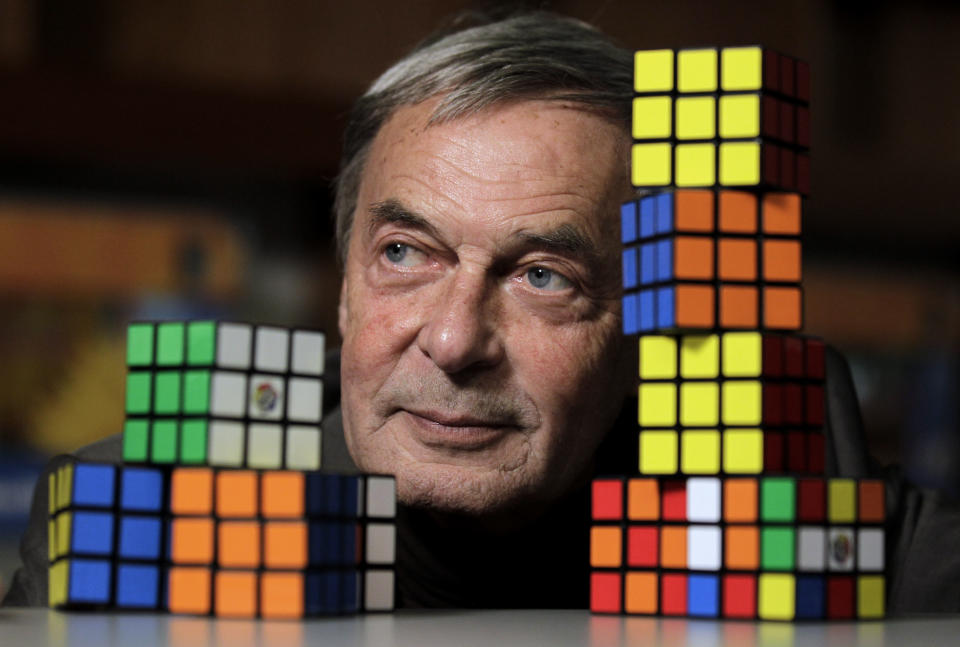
(271, 350)
(304, 399)
(381, 543)
(225, 443)
(308, 350)
(264, 446)
(303, 447)
(234, 342)
(703, 499)
(381, 497)
(703, 548)
(228, 394)
(811, 548)
(841, 549)
(266, 397)
(870, 549)
(378, 590)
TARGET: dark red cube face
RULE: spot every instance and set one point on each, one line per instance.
(811, 500)
(773, 446)
(840, 597)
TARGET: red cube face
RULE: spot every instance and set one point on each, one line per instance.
(739, 596)
(605, 593)
(643, 546)
(673, 595)
(674, 501)
(607, 499)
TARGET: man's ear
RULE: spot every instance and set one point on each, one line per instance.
(342, 308)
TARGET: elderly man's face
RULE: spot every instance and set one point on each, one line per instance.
(482, 359)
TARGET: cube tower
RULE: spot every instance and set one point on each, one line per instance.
(728, 513)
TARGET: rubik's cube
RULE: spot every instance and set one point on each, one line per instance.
(224, 394)
(732, 117)
(233, 543)
(729, 394)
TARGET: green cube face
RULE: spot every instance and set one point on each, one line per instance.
(135, 438)
(777, 549)
(193, 441)
(163, 447)
(778, 500)
(139, 344)
(196, 392)
(138, 392)
(170, 344)
(167, 394)
(201, 343)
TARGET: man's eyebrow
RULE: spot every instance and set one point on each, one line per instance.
(392, 211)
(564, 239)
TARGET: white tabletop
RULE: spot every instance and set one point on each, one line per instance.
(28, 627)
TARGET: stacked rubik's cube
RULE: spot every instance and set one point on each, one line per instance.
(729, 514)
(219, 507)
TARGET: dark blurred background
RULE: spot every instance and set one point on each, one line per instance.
(173, 160)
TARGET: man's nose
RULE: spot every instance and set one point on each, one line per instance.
(460, 330)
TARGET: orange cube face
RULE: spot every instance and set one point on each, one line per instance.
(282, 495)
(237, 493)
(188, 590)
(738, 212)
(695, 306)
(742, 548)
(191, 491)
(737, 259)
(285, 545)
(781, 213)
(640, 591)
(738, 306)
(781, 260)
(281, 595)
(191, 540)
(693, 210)
(693, 257)
(740, 499)
(238, 544)
(606, 546)
(235, 594)
(673, 547)
(871, 502)
(643, 500)
(781, 308)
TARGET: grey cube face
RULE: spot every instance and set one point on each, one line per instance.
(870, 549)
(234, 343)
(225, 443)
(704, 551)
(308, 353)
(267, 397)
(703, 500)
(811, 548)
(381, 544)
(271, 352)
(841, 549)
(303, 447)
(228, 394)
(381, 497)
(264, 446)
(378, 590)
(304, 399)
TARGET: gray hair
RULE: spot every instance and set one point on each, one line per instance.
(531, 55)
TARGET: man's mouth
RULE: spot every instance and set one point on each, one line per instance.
(455, 430)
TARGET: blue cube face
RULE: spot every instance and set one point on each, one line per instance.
(349, 544)
(138, 586)
(631, 314)
(810, 597)
(630, 274)
(141, 489)
(140, 537)
(648, 263)
(350, 499)
(664, 262)
(648, 311)
(92, 533)
(703, 595)
(89, 581)
(93, 485)
(664, 213)
(628, 222)
(665, 311)
(330, 587)
(350, 592)
(648, 217)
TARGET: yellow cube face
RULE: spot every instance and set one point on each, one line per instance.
(742, 403)
(870, 596)
(739, 163)
(740, 116)
(52, 493)
(697, 70)
(741, 68)
(841, 501)
(743, 451)
(658, 452)
(658, 405)
(699, 356)
(650, 165)
(63, 533)
(776, 597)
(742, 354)
(696, 165)
(66, 487)
(699, 404)
(658, 357)
(57, 579)
(653, 70)
(51, 540)
(696, 118)
(651, 118)
(700, 452)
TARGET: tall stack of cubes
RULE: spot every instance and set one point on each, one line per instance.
(219, 507)
(728, 513)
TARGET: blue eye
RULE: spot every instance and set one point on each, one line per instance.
(544, 279)
(400, 254)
